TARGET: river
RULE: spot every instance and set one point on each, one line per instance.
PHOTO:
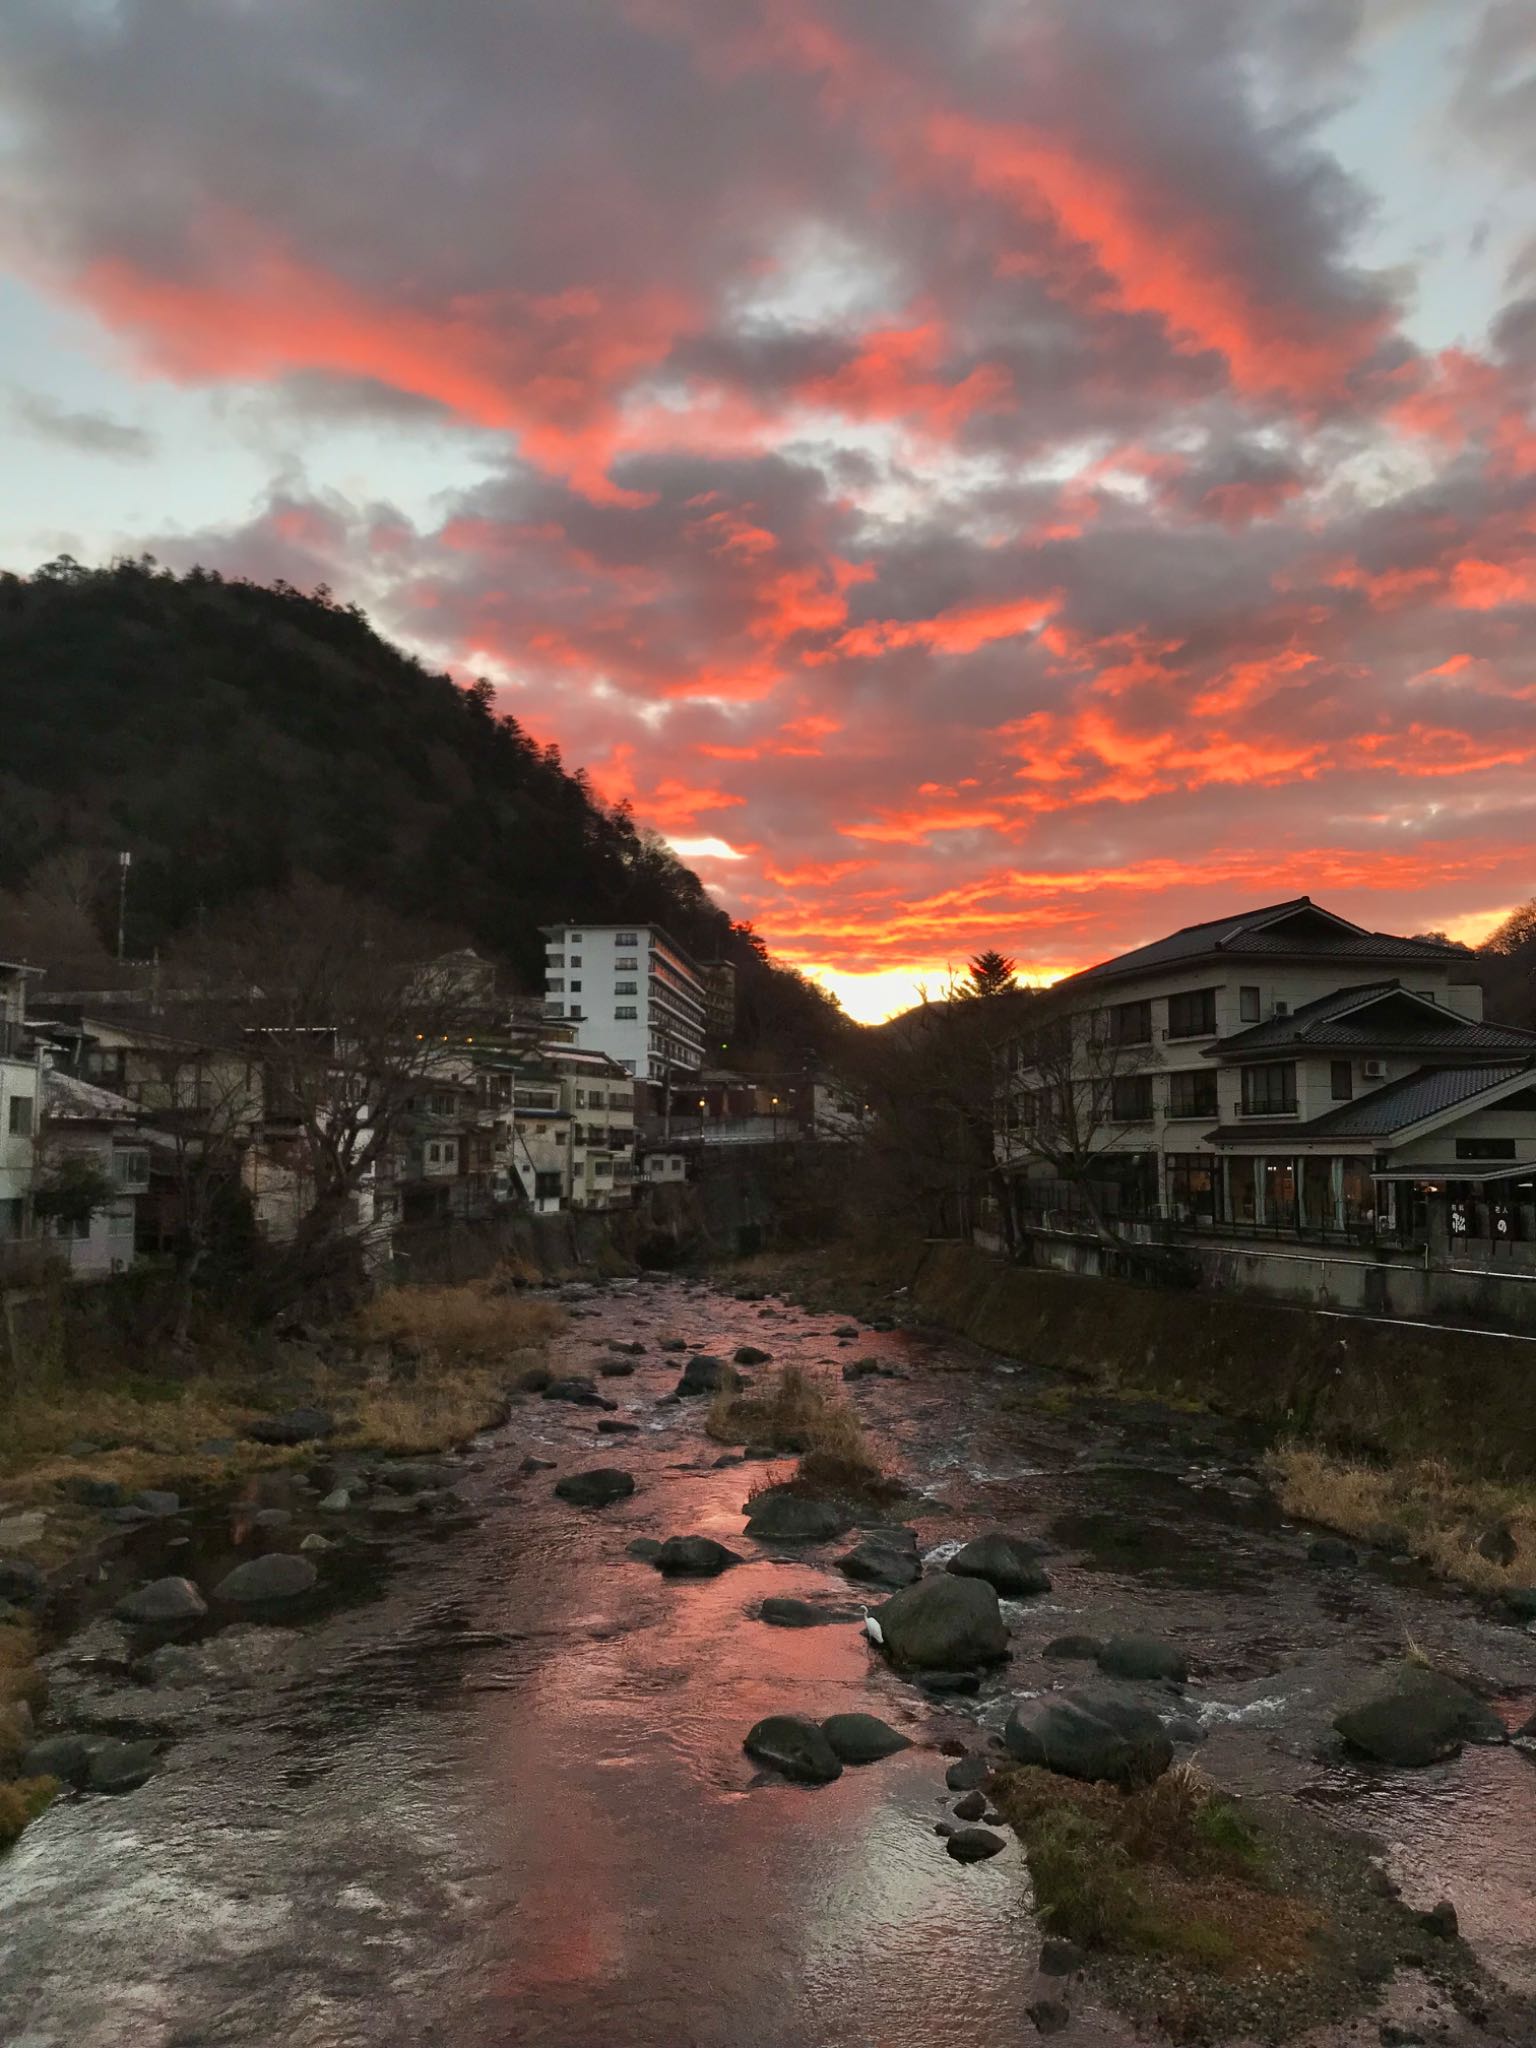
(495, 1792)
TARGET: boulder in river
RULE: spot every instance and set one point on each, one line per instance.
(1085, 1647)
(781, 1610)
(1009, 1564)
(706, 1374)
(1145, 1658)
(616, 1368)
(695, 1557)
(646, 1548)
(673, 1344)
(779, 1517)
(862, 1738)
(121, 1766)
(301, 1425)
(281, 1575)
(1412, 1716)
(599, 1487)
(579, 1390)
(750, 1354)
(65, 1757)
(974, 1845)
(157, 1503)
(794, 1746)
(944, 1624)
(967, 1773)
(970, 1806)
(613, 1425)
(1092, 1735)
(874, 1563)
(162, 1602)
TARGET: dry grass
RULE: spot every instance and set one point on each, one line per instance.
(423, 1414)
(21, 1801)
(795, 1413)
(474, 1324)
(1442, 1515)
(1175, 1870)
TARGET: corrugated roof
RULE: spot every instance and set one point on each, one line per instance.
(1385, 1111)
(72, 1099)
(1248, 931)
(1332, 1021)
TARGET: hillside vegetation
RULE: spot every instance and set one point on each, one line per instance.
(235, 737)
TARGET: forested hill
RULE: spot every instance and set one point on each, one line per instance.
(236, 738)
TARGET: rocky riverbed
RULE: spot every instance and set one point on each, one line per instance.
(485, 1781)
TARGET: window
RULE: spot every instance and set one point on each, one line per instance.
(626, 938)
(575, 985)
(21, 1116)
(602, 1166)
(578, 1168)
(1248, 1005)
(575, 961)
(546, 1187)
(1271, 1090)
(1485, 1148)
(1192, 1015)
(573, 938)
(626, 988)
(595, 1098)
(1194, 1187)
(555, 960)
(1192, 1094)
(120, 1223)
(1131, 1098)
(555, 984)
(1341, 1080)
(1130, 1024)
(130, 1169)
(626, 966)
(625, 1013)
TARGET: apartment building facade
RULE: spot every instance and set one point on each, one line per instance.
(20, 1104)
(1280, 1074)
(632, 993)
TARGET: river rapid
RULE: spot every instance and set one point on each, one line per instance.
(494, 1791)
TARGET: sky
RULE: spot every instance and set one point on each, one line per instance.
(1018, 473)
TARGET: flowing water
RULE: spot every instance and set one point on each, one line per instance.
(494, 1791)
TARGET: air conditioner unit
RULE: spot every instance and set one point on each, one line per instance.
(1282, 1009)
(1375, 1070)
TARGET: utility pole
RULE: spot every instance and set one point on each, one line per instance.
(124, 863)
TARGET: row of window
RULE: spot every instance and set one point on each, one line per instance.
(1268, 1090)
(1191, 1014)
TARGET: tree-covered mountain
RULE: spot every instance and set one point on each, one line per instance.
(235, 738)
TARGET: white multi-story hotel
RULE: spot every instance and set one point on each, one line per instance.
(628, 991)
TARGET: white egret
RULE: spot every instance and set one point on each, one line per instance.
(872, 1628)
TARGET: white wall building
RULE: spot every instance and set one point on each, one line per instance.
(631, 992)
(20, 1104)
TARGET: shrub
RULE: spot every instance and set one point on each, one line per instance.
(473, 1324)
(21, 1801)
(793, 1413)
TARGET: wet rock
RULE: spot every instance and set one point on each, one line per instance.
(777, 1517)
(616, 1368)
(535, 1378)
(1085, 1648)
(780, 1611)
(968, 1774)
(1145, 1658)
(413, 1476)
(301, 1425)
(162, 1602)
(537, 1465)
(1049, 2015)
(610, 1425)
(20, 1582)
(1393, 2034)
(1498, 1545)
(1059, 1958)
(880, 1564)
(336, 1502)
(944, 1624)
(940, 1683)
(281, 1575)
(706, 1374)
(673, 1344)
(1412, 1717)
(727, 1458)
(1183, 1728)
(794, 1746)
(946, 1828)
(272, 1518)
(157, 1503)
(971, 1806)
(862, 1738)
(121, 1766)
(632, 1349)
(749, 1354)
(974, 1845)
(1441, 1920)
(315, 1541)
(1332, 1552)
(578, 1390)
(65, 1757)
(1520, 1602)
(646, 1548)
(861, 1368)
(698, 1557)
(846, 1330)
(1092, 1735)
(1009, 1564)
(598, 1487)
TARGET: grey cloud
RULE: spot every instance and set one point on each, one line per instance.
(92, 433)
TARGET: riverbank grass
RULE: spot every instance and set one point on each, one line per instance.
(1479, 1532)
(795, 1413)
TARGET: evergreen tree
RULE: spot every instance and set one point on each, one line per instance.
(989, 974)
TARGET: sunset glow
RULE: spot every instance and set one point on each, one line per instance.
(969, 476)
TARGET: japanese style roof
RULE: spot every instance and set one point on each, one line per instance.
(1353, 1020)
(1298, 928)
(1385, 1111)
(74, 1101)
